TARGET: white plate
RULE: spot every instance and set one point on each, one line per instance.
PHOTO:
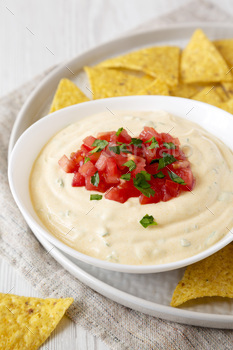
(127, 289)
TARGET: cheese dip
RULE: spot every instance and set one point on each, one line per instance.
(111, 231)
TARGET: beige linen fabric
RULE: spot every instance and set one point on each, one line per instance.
(119, 327)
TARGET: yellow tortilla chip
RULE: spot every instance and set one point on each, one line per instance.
(185, 90)
(25, 323)
(106, 82)
(67, 94)
(209, 95)
(158, 87)
(210, 277)
(228, 106)
(159, 62)
(225, 47)
(228, 88)
(201, 62)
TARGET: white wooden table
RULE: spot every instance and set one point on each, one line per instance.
(35, 35)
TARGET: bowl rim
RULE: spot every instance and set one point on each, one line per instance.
(71, 251)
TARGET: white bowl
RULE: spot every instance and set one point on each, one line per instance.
(28, 146)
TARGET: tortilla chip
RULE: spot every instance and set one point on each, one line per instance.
(185, 90)
(210, 277)
(25, 323)
(67, 94)
(158, 87)
(209, 95)
(228, 88)
(228, 106)
(106, 82)
(225, 47)
(159, 62)
(201, 62)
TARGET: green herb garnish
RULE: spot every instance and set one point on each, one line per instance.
(136, 142)
(99, 145)
(154, 161)
(123, 148)
(95, 179)
(166, 160)
(119, 131)
(148, 220)
(140, 182)
(169, 145)
(154, 143)
(86, 160)
(130, 164)
(115, 149)
(95, 197)
(126, 177)
(176, 178)
(159, 175)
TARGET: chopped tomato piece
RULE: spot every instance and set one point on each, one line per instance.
(87, 169)
(78, 180)
(68, 165)
(150, 158)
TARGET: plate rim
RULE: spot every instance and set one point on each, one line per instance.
(209, 321)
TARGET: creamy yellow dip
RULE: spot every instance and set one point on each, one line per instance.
(111, 231)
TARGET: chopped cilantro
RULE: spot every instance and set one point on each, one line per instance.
(176, 178)
(154, 143)
(95, 179)
(159, 175)
(86, 160)
(136, 142)
(126, 177)
(148, 220)
(130, 164)
(99, 145)
(115, 149)
(119, 131)
(140, 182)
(146, 174)
(169, 145)
(123, 148)
(154, 161)
(95, 197)
(166, 160)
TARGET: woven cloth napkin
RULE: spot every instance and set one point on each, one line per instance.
(118, 327)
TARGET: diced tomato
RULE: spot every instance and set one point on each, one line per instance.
(148, 133)
(187, 175)
(87, 169)
(94, 157)
(109, 163)
(112, 175)
(78, 180)
(105, 135)
(85, 149)
(88, 141)
(172, 188)
(102, 187)
(77, 157)
(102, 161)
(68, 165)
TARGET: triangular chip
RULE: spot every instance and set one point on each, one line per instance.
(228, 106)
(106, 82)
(67, 94)
(201, 62)
(158, 87)
(185, 90)
(209, 95)
(159, 62)
(210, 277)
(228, 88)
(225, 47)
(25, 323)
